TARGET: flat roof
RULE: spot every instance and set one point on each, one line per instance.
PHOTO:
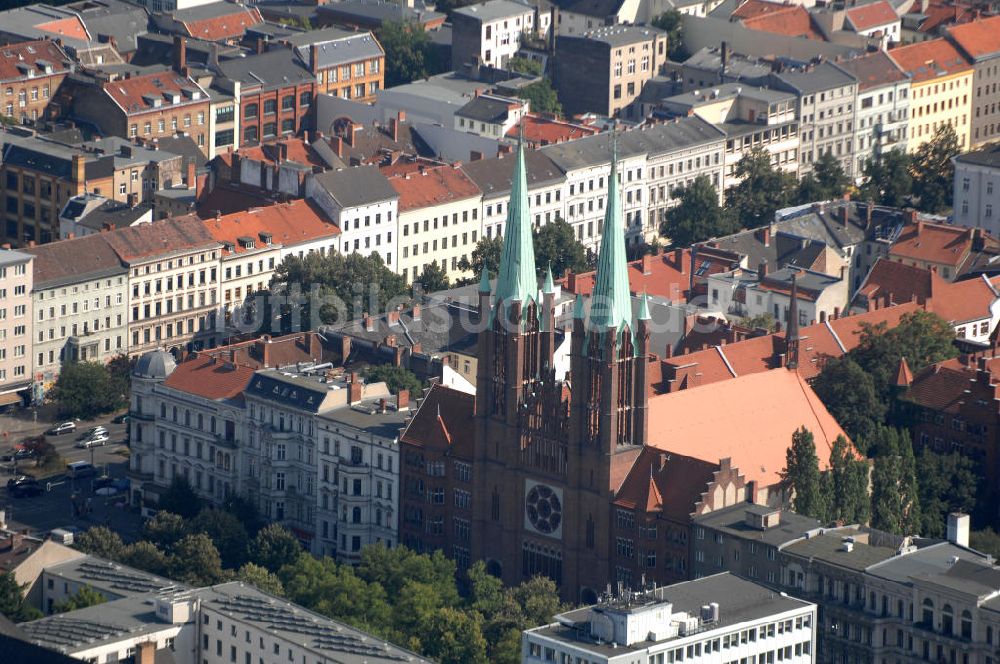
(732, 520)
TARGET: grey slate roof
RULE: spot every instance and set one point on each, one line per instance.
(874, 70)
(362, 417)
(377, 12)
(13, 257)
(680, 134)
(740, 67)
(335, 46)
(597, 8)
(494, 10)
(360, 185)
(732, 520)
(828, 548)
(72, 261)
(988, 156)
(485, 109)
(43, 157)
(925, 562)
(289, 390)
(493, 176)
(276, 68)
(622, 35)
(113, 18)
(823, 76)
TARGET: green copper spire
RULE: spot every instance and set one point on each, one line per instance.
(612, 301)
(517, 279)
(549, 286)
(484, 281)
(643, 307)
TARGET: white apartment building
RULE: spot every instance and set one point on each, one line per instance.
(977, 189)
(718, 618)
(15, 325)
(748, 293)
(490, 32)
(80, 298)
(359, 476)
(362, 203)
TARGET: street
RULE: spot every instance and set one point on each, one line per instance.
(54, 509)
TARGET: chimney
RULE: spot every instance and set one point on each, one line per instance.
(79, 173)
(261, 45)
(337, 145)
(764, 235)
(382, 405)
(147, 652)
(354, 389)
(180, 55)
(647, 264)
(836, 313)
(762, 269)
(369, 323)
(415, 315)
(403, 400)
(958, 529)
(570, 281)
(314, 58)
(846, 211)
(868, 213)
(345, 348)
(191, 176)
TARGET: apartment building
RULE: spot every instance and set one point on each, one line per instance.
(147, 106)
(346, 64)
(275, 93)
(173, 267)
(80, 298)
(16, 280)
(977, 41)
(359, 476)
(941, 90)
(256, 241)
(977, 189)
(438, 220)
(362, 203)
(603, 70)
(223, 22)
(747, 293)
(827, 96)
(718, 618)
(30, 73)
(186, 420)
(38, 178)
(490, 33)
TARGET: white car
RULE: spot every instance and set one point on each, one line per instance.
(94, 441)
(65, 427)
(93, 433)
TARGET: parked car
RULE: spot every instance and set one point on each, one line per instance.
(92, 433)
(65, 427)
(18, 454)
(79, 469)
(120, 419)
(97, 440)
(23, 486)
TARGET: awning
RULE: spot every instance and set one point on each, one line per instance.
(9, 399)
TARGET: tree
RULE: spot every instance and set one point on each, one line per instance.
(433, 278)
(671, 23)
(922, 337)
(887, 179)
(101, 542)
(933, 171)
(410, 55)
(849, 393)
(525, 66)
(258, 576)
(145, 556)
(395, 378)
(87, 389)
(122, 366)
(697, 216)
(542, 97)
(948, 483)
(809, 190)
(455, 637)
(801, 476)
(392, 568)
(320, 584)
(196, 561)
(274, 546)
(81, 599)
(538, 598)
(849, 500)
(986, 540)
(485, 255)
(762, 189)
(556, 246)
(164, 530)
(227, 533)
(764, 321)
(830, 176)
(895, 496)
(12, 602)
(41, 449)
(180, 498)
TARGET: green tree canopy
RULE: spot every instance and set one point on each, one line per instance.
(12, 602)
(849, 393)
(81, 599)
(948, 483)
(320, 584)
(433, 278)
(226, 531)
(887, 179)
(764, 321)
(848, 499)
(196, 561)
(762, 189)
(144, 555)
(933, 171)
(697, 216)
(895, 494)
(101, 542)
(830, 176)
(274, 546)
(180, 498)
(801, 476)
(395, 378)
(258, 576)
(392, 568)
(485, 255)
(409, 53)
(671, 22)
(986, 540)
(165, 529)
(542, 97)
(556, 245)
(87, 389)
(525, 66)
(455, 637)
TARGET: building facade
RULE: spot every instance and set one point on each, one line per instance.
(490, 33)
(977, 189)
(977, 42)
(346, 64)
(31, 73)
(16, 280)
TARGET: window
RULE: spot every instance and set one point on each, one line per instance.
(288, 103)
(251, 111)
(270, 106)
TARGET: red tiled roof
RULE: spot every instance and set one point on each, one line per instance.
(872, 15)
(136, 94)
(210, 378)
(270, 351)
(899, 282)
(848, 328)
(943, 244)
(790, 20)
(230, 26)
(749, 420)
(673, 489)
(928, 60)
(288, 223)
(160, 237)
(287, 149)
(755, 8)
(433, 186)
(942, 386)
(17, 59)
(903, 374)
(226, 199)
(444, 422)
(66, 27)
(539, 130)
(965, 301)
(667, 275)
(978, 38)
(946, 12)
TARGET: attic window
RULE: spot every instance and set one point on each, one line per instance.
(246, 242)
(265, 237)
(228, 246)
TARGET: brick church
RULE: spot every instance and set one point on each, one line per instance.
(591, 477)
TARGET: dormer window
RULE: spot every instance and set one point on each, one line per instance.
(265, 237)
(246, 242)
